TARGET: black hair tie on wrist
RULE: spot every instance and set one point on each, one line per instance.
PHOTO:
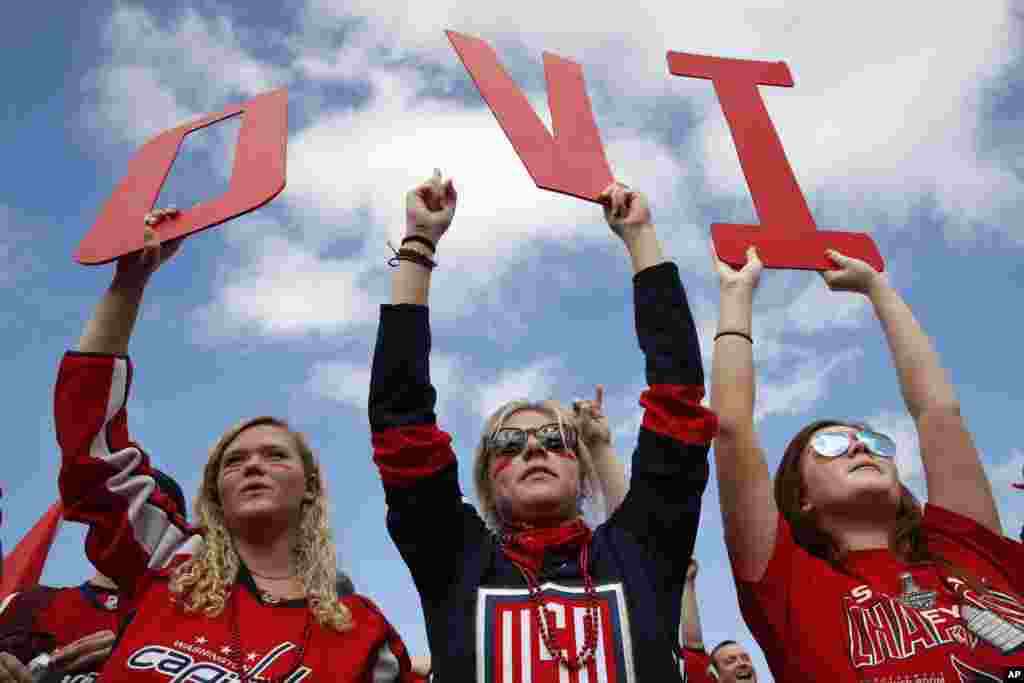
(735, 333)
(422, 240)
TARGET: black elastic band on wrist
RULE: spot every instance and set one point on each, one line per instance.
(735, 333)
(422, 240)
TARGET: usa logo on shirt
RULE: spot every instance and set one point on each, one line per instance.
(511, 650)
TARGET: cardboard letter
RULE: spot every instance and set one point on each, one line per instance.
(787, 236)
(257, 177)
(573, 161)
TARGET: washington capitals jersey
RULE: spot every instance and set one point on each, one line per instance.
(135, 533)
(59, 617)
(481, 624)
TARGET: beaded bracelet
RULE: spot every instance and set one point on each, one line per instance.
(422, 240)
(410, 255)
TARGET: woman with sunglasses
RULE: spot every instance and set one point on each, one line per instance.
(841, 575)
(525, 590)
(248, 595)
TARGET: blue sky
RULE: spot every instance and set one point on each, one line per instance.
(912, 135)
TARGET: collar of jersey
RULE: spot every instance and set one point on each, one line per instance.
(94, 594)
(245, 578)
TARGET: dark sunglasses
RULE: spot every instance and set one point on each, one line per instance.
(511, 441)
(834, 443)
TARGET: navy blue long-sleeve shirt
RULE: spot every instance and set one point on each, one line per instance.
(480, 622)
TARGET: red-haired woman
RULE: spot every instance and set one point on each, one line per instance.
(842, 576)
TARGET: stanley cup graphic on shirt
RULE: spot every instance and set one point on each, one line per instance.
(913, 596)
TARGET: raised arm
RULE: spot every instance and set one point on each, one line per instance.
(415, 458)
(690, 634)
(592, 424)
(106, 481)
(113, 319)
(953, 471)
(661, 511)
(749, 513)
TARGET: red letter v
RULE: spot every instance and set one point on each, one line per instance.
(573, 162)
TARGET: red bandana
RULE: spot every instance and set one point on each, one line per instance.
(526, 547)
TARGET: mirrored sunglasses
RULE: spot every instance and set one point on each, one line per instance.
(832, 444)
(510, 441)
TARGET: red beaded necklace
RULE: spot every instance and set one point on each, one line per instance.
(536, 541)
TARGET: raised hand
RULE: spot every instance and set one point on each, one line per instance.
(12, 670)
(852, 275)
(430, 207)
(136, 268)
(746, 277)
(85, 654)
(625, 210)
(591, 420)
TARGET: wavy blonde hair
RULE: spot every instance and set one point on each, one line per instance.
(482, 458)
(203, 582)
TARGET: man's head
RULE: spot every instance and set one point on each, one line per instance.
(731, 662)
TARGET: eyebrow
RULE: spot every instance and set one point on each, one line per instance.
(243, 451)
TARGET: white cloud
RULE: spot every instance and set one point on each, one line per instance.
(817, 309)
(795, 391)
(348, 382)
(536, 382)
(285, 290)
(881, 122)
(862, 125)
(162, 75)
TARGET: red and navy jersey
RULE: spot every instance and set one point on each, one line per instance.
(135, 534)
(65, 614)
(888, 620)
(476, 604)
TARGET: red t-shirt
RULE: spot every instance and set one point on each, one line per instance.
(897, 623)
(696, 663)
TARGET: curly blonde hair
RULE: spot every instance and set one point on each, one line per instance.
(482, 459)
(204, 582)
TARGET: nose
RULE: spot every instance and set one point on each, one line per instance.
(856, 448)
(533, 447)
(253, 466)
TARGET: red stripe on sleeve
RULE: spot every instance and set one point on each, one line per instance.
(674, 410)
(404, 455)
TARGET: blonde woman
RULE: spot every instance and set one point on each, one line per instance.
(525, 590)
(248, 595)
